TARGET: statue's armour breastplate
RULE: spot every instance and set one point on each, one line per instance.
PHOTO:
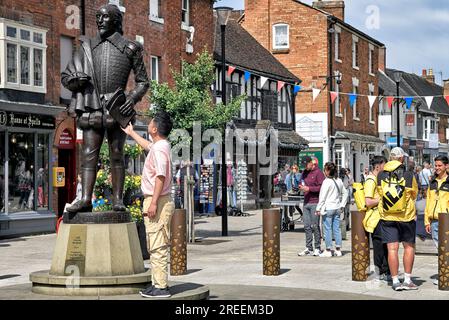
(112, 67)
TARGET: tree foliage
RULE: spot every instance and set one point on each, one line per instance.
(191, 100)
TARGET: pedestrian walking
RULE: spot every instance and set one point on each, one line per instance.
(292, 181)
(372, 217)
(398, 190)
(425, 176)
(437, 198)
(158, 206)
(332, 201)
(312, 179)
(364, 175)
(348, 186)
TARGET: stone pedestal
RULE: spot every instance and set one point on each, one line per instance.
(92, 259)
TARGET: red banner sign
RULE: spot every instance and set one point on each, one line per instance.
(66, 140)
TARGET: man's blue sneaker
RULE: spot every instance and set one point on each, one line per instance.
(157, 293)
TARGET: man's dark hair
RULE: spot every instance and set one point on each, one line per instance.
(376, 160)
(116, 16)
(443, 159)
(163, 123)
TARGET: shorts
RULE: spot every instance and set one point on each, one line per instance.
(397, 231)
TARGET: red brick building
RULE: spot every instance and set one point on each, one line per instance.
(36, 42)
(318, 46)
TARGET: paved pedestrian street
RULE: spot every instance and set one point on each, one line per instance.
(232, 267)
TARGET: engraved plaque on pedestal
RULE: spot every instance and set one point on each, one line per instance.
(76, 251)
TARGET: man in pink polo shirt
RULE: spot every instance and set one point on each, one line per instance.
(158, 206)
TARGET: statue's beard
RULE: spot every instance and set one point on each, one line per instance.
(104, 33)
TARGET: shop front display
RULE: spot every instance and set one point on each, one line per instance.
(25, 172)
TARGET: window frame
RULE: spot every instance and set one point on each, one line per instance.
(120, 6)
(337, 44)
(355, 90)
(371, 109)
(427, 128)
(371, 60)
(355, 52)
(157, 67)
(185, 25)
(156, 18)
(285, 47)
(34, 34)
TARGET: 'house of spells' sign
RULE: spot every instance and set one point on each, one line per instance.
(23, 120)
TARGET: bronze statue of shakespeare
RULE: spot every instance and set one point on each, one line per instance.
(98, 70)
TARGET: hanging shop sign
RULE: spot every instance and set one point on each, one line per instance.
(66, 140)
(24, 120)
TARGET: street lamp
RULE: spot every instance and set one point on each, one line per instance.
(397, 78)
(223, 14)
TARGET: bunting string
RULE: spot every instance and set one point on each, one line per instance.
(353, 97)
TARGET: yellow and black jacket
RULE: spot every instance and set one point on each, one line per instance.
(437, 199)
(411, 192)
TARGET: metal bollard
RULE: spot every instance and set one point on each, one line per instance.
(443, 251)
(271, 242)
(360, 247)
(178, 248)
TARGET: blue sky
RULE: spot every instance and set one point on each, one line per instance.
(416, 32)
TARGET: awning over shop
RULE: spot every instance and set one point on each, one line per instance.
(292, 140)
(358, 137)
(34, 108)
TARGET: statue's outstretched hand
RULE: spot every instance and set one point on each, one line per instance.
(127, 108)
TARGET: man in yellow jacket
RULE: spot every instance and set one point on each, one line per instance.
(372, 217)
(398, 226)
(437, 198)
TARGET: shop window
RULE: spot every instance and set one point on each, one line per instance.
(42, 171)
(21, 172)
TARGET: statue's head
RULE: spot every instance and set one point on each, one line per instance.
(109, 20)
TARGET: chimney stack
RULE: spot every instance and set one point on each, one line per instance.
(382, 58)
(446, 87)
(428, 75)
(335, 8)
